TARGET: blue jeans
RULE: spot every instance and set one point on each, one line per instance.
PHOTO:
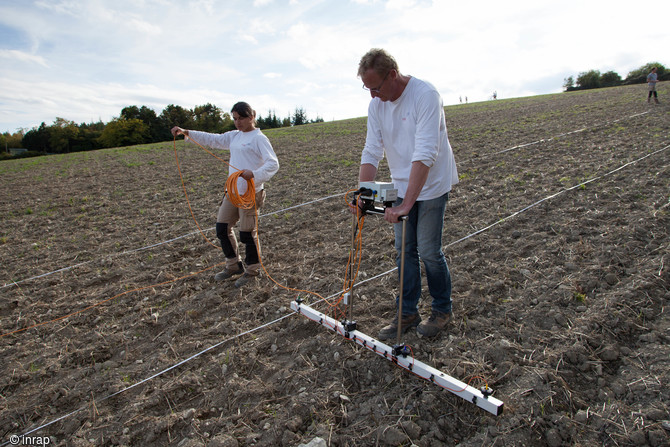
(423, 241)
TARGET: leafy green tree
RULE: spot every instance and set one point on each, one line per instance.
(130, 113)
(173, 115)
(589, 79)
(148, 116)
(568, 83)
(270, 122)
(639, 75)
(209, 118)
(15, 140)
(299, 117)
(260, 123)
(124, 132)
(273, 120)
(8, 140)
(37, 139)
(593, 78)
(87, 138)
(610, 79)
(61, 134)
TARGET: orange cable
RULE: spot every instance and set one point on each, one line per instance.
(245, 201)
(138, 289)
(248, 201)
(153, 285)
(183, 185)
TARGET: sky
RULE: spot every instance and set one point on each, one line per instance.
(85, 60)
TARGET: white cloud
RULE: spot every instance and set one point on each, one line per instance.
(145, 27)
(59, 7)
(400, 5)
(86, 59)
(21, 56)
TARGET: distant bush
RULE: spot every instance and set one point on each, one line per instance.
(639, 76)
(594, 79)
(589, 79)
(125, 132)
(610, 79)
(26, 154)
(136, 125)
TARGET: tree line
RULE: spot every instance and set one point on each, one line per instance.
(135, 125)
(594, 79)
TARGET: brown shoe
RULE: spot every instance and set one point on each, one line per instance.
(408, 322)
(245, 279)
(434, 325)
(229, 272)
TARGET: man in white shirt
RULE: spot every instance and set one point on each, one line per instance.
(406, 124)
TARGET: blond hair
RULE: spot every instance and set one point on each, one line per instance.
(378, 60)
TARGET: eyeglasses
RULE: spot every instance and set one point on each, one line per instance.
(376, 90)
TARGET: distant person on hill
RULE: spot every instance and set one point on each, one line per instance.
(652, 79)
(406, 124)
(252, 153)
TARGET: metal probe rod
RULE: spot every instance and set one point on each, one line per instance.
(352, 267)
(402, 277)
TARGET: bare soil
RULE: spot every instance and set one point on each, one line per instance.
(113, 331)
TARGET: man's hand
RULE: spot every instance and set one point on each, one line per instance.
(394, 214)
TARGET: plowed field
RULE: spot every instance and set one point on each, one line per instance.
(113, 332)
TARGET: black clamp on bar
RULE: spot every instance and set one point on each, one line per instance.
(349, 326)
(400, 350)
(486, 391)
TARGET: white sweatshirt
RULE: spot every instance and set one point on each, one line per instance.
(412, 128)
(248, 150)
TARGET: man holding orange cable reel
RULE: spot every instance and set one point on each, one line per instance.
(252, 162)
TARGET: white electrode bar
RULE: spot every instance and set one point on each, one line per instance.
(473, 395)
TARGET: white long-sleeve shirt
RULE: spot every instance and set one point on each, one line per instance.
(412, 128)
(248, 150)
